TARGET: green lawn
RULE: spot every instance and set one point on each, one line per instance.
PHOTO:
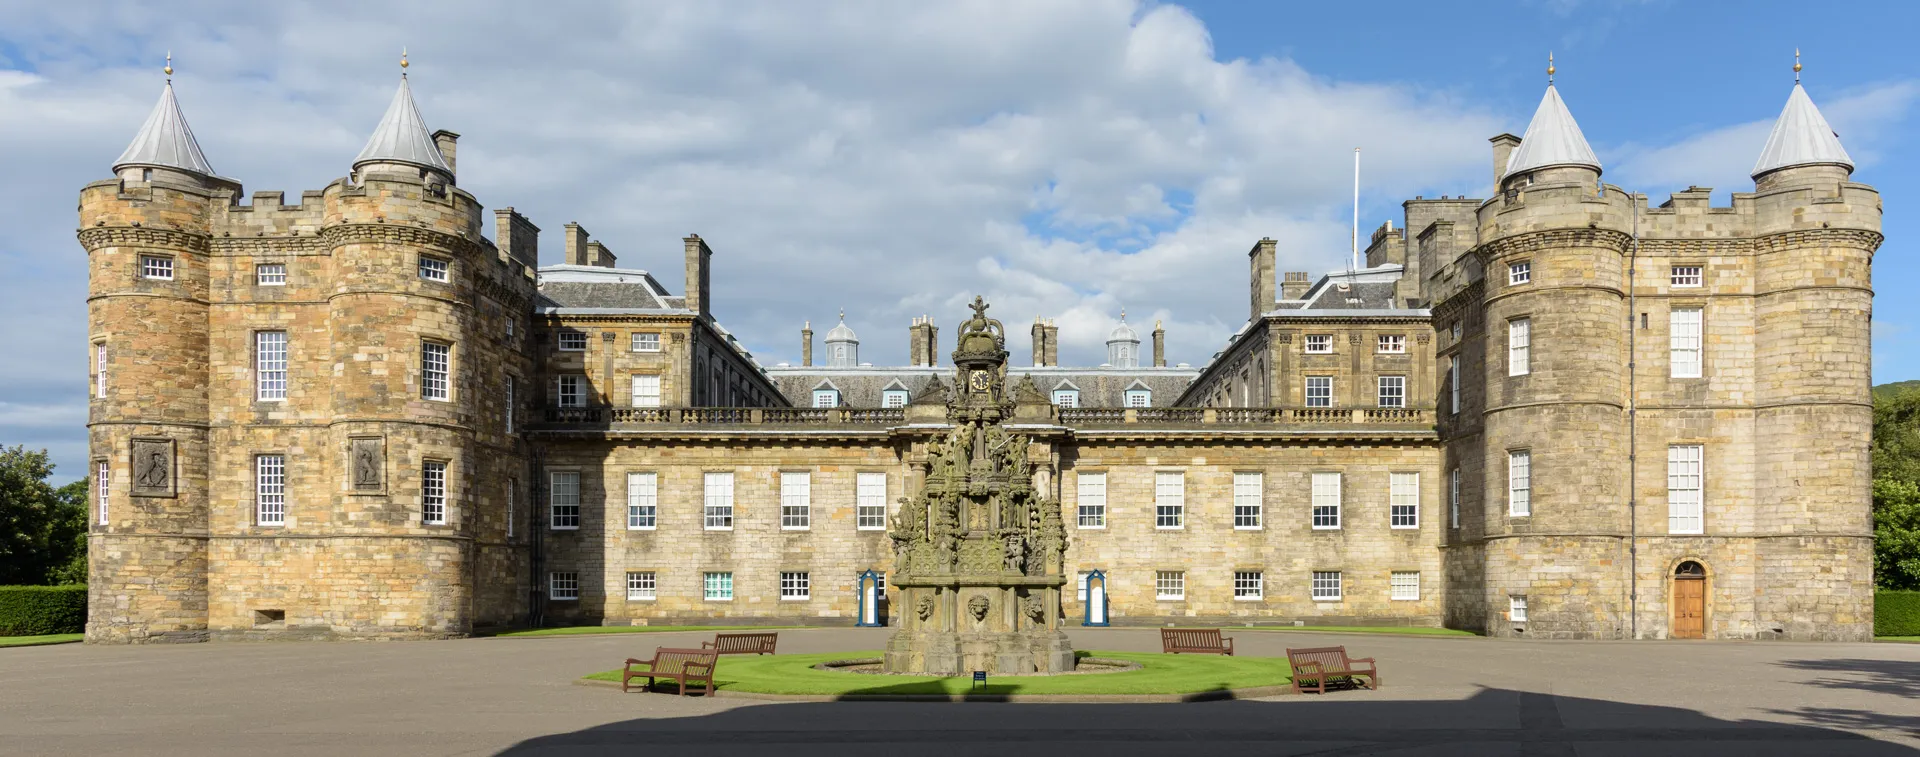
(1905, 639)
(590, 630)
(34, 641)
(1159, 674)
(1406, 630)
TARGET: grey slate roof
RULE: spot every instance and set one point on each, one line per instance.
(1365, 289)
(402, 136)
(861, 387)
(610, 290)
(1801, 137)
(1553, 138)
(165, 140)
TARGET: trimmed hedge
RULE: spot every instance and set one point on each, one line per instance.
(1896, 613)
(42, 610)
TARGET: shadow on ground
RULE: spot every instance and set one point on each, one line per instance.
(1491, 722)
(1900, 678)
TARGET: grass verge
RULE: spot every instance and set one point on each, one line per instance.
(1158, 674)
(593, 630)
(1401, 630)
(1900, 639)
(35, 641)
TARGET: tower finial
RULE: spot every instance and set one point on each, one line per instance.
(403, 61)
(843, 314)
(1550, 69)
(168, 70)
(1123, 315)
(1796, 65)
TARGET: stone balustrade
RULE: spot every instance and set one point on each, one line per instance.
(571, 418)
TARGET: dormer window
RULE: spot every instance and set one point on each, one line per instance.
(1319, 344)
(1066, 397)
(434, 269)
(1393, 343)
(1139, 398)
(826, 398)
(893, 398)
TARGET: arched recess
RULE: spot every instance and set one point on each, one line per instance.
(1687, 600)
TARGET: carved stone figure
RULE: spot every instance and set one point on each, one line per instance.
(924, 608)
(153, 468)
(1034, 608)
(978, 605)
(368, 463)
(1015, 554)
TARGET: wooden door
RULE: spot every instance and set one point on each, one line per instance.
(1689, 608)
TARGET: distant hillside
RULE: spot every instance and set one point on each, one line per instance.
(1885, 391)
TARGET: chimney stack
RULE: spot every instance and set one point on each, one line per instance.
(922, 342)
(1039, 342)
(446, 141)
(1053, 343)
(1260, 263)
(516, 236)
(1159, 345)
(700, 277)
(1503, 146)
(1296, 285)
(576, 239)
(806, 344)
(598, 254)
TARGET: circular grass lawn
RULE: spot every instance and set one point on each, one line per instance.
(1158, 674)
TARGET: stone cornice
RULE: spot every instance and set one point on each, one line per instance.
(1536, 241)
(136, 236)
(265, 246)
(393, 233)
(1857, 238)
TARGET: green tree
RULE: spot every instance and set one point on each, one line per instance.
(1896, 488)
(67, 535)
(27, 511)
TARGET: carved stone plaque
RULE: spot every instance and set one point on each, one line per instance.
(153, 468)
(367, 464)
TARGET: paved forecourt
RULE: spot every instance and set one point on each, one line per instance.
(517, 696)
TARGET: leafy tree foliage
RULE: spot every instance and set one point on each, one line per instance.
(43, 530)
(1896, 488)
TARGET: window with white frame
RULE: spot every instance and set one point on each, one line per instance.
(642, 586)
(1326, 586)
(1404, 585)
(1517, 608)
(158, 267)
(1248, 496)
(270, 365)
(1519, 273)
(436, 370)
(1326, 501)
(1249, 585)
(1169, 585)
(1393, 391)
(1169, 499)
(1403, 500)
(1453, 381)
(570, 391)
(573, 341)
(1456, 331)
(1319, 391)
(826, 398)
(100, 370)
(1687, 276)
(646, 390)
(893, 398)
(1091, 494)
(513, 385)
(1684, 326)
(1519, 346)
(1519, 482)
(643, 501)
(1139, 398)
(513, 495)
(1066, 397)
(718, 513)
(870, 501)
(718, 585)
(510, 322)
(1685, 503)
(563, 585)
(796, 500)
(1082, 584)
(433, 493)
(564, 500)
(434, 269)
(1319, 344)
(270, 490)
(1453, 498)
(794, 586)
(270, 274)
(103, 487)
(1392, 344)
(646, 341)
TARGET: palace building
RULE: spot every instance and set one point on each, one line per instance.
(1558, 412)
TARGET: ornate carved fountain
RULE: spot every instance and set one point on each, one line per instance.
(979, 550)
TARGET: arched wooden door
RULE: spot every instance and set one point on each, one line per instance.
(1690, 601)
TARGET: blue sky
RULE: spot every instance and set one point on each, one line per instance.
(1067, 159)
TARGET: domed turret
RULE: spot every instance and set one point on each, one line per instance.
(1801, 137)
(1552, 139)
(1123, 345)
(843, 347)
(164, 142)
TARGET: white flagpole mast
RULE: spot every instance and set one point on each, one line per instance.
(1355, 263)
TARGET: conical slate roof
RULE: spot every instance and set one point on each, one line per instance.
(402, 136)
(165, 141)
(1801, 138)
(1552, 139)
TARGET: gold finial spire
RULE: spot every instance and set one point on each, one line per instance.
(1796, 65)
(403, 61)
(843, 314)
(1123, 314)
(168, 70)
(1550, 69)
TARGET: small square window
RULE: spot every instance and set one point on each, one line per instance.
(1066, 398)
(573, 341)
(641, 586)
(434, 269)
(1519, 273)
(1687, 276)
(646, 341)
(270, 274)
(1248, 585)
(1326, 586)
(157, 267)
(1139, 398)
(893, 398)
(794, 586)
(1517, 608)
(1393, 344)
(719, 586)
(825, 398)
(1319, 344)
(1169, 585)
(563, 586)
(1405, 585)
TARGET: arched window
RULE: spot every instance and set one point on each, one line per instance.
(1690, 569)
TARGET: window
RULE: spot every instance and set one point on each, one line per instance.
(270, 274)
(643, 502)
(1519, 273)
(1247, 500)
(870, 501)
(893, 398)
(1687, 276)
(719, 586)
(826, 398)
(565, 501)
(642, 586)
(1684, 501)
(1403, 500)
(719, 503)
(156, 267)
(1319, 391)
(1169, 499)
(512, 385)
(434, 370)
(1139, 398)
(1092, 494)
(433, 269)
(572, 391)
(1684, 342)
(1319, 344)
(1326, 500)
(270, 365)
(1169, 585)
(100, 370)
(1393, 343)
(510, 323)
(513, 493)
(1519, 346)
(1248, 585)
(1083, 584)
(646, 341)
(1519, 482)
(646, 391)
(1517, 608)
(1393, 391)
(1066, 397)
(573, 341)
(103, 487)
(1453, 380)
(1404, 585)
(1326, 586)
(433, 493)
(1456, 331)
(796, 501)
(794, 586)
(563, 586)
(269, 490)
(1453, 498)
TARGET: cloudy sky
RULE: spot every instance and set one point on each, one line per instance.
(1065, 158)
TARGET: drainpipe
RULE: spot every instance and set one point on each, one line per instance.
(1633, 425)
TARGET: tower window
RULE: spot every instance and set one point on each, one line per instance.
(1519, 273)
(1519, 482)
(433, 493)
(100, 370)
(270, 274)
(270, 490)
(103, 484)
(270, 365)
(436, 371)
(1687, 276)
(434, 269)
(1453, 498)
(1684, 501)
(1519, 346)
(1684, 325)
(157, 267)
(1453, 381)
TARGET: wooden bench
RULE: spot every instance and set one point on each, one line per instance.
(683, 666)
(742, 643)
(1323, 665)
(1198, 640)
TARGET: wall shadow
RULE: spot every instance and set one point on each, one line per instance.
(1900, 678)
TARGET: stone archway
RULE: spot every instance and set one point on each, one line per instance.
(1689, 606)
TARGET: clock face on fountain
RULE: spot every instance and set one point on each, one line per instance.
(979, 381)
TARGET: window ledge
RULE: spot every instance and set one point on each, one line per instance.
(641, 528)
(718, 528)
(796, 599)
(1249, 528)
(1414, 527)
(563, 528)
(1169, 528)
(641, 599)
(1326, 528)
(1249, 599)
(870, 528)
(1092, 528)
(796, 528)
